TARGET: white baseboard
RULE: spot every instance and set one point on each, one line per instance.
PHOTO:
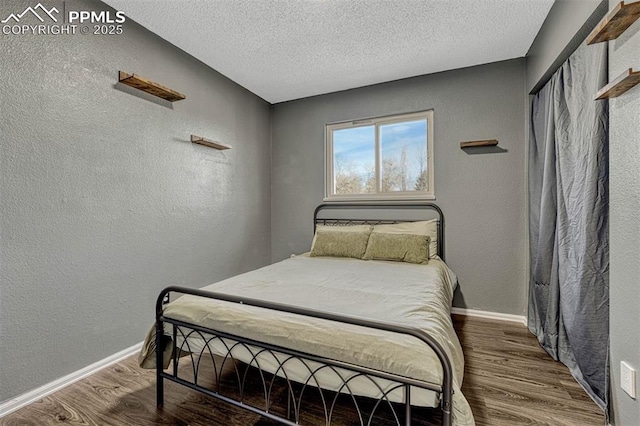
(36, 394)
(490, 315)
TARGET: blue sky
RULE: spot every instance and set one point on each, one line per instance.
(356, 145)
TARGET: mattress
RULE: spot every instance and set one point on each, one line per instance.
(412, 295)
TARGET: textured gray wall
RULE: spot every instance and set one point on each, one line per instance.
(624, 205)
(104, 201)
(566, 26)
(482, 194)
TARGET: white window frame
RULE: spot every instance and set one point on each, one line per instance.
(377, 122)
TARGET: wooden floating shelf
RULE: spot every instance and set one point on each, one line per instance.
(149, 86)
(211, 144)
(621, 84)
(471, 144)
(615, 23)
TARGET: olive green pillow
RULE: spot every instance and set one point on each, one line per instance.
(409, 248)
(426, 227)
(341, 241)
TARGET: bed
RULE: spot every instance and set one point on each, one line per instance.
(370, 329)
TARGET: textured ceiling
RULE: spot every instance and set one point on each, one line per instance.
(289, 49)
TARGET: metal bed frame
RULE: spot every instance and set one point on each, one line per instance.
(256, 349)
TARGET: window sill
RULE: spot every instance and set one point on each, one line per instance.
(391, 199)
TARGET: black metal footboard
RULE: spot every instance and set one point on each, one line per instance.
(445, 390)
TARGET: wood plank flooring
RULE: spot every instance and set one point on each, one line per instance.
(509, 380)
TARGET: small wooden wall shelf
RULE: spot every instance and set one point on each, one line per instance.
(211, 144)
(619, 19)
(149, 86)
(471, 144)
(621, 84)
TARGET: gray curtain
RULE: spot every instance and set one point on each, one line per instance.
(568, 219)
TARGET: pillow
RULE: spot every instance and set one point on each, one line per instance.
(425, 227)
(412, 248)
(341, 241)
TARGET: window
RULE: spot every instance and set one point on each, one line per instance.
(380, 158)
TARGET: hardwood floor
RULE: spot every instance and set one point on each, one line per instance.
(509, 380)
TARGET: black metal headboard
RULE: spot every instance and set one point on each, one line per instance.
(356, 207)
